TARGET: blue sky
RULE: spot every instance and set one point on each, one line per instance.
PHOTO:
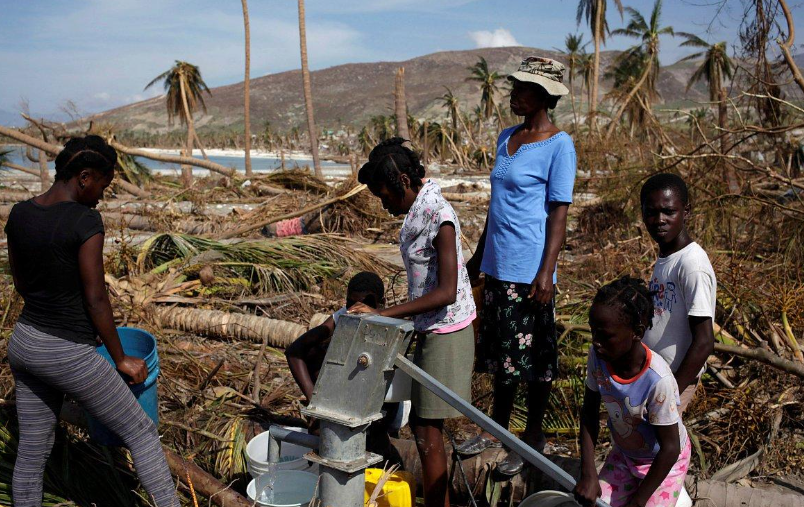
(101, 53)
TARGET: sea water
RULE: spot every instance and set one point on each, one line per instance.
(260, 164)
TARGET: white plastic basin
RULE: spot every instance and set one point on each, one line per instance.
(549, 498)
(292, 488)
(290, 456)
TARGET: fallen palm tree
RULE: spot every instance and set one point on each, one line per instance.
(21, 168)
(147, 222)
(229, 325)
(54, 149)
(174, 159)
(287, 264)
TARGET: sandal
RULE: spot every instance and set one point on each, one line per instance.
(476, 445)
(511, 465)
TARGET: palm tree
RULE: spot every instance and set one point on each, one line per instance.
(625, 74)
(586, 67)
(648, 33)
(308, 92)
(400, 105)
(695, 118)
(488, 85)
(382, 127)
(184, 89)
(246, 98)
(714, 69)
(595, 13)
(365, 141)
(451, 105)
(574, 48)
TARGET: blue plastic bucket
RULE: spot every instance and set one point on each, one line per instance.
(137, 343)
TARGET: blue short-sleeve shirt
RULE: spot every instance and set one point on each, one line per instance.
(522, 186)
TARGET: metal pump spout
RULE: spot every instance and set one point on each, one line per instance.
(278, 434)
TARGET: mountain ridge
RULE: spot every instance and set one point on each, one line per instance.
(350, 94)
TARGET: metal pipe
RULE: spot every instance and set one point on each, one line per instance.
(341, 444)
(278, 434)
(294, 437)
(274, 449)
(464, 407)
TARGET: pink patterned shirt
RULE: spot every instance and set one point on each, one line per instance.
(429, 211)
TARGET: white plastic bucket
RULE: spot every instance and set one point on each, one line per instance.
(399, 390)
(684, 499)
(290, 457)
(549, 499)
(292, 488)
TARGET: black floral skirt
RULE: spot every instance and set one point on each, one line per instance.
(517, 339)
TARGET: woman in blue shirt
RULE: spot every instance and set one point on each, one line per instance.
(531, 189)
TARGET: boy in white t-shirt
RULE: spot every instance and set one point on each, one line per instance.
(683, 283)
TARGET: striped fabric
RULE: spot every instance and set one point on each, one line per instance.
(46, 368)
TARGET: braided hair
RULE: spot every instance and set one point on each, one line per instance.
(387, 162)
(632, 297)
(90, 152)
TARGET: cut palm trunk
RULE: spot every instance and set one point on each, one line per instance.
(204, 483)
(130, 188)
(230, 326)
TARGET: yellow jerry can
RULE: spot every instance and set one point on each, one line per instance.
(398, 491)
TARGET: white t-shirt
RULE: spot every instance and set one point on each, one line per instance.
(685, 286)
(635, 405)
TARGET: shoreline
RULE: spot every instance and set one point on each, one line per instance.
(215, 152)
(236, 153)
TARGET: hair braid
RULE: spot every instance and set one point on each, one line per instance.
(90, 152)
(633, 298)
(387, 162)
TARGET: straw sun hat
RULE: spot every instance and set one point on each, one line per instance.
(543, 71)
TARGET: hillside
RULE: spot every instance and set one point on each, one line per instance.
(351, 94)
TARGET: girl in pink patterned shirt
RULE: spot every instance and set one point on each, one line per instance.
(439, 297)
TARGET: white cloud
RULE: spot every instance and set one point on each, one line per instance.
(497, 39)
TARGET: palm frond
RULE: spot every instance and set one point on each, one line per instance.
(133, 170)
(286, 264)
(693, 56)
(158, 78)
(692, 40)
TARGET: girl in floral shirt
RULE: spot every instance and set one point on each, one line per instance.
(439, 297)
